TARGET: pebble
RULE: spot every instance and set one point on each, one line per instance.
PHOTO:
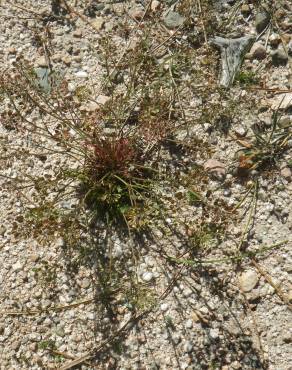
(216, 168)
(248, 280)
(245, 10)
(147, 276)
(164, 307)
(285, 121)
(286, 173)
(279, 58)
(81, 74)
(258, 51)
(176, 338)
(17, 266)
(282, 101)
(137, 13)
(274, 40)
(214, 333)
(41, 62)
(262, 20)
(11, 50)
(77, 33)
(98, 23)
(85, 283)
(102, 99)
(189, 324)
(173, 20)
(155, 5)
(188, 347)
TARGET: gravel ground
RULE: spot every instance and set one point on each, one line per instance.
(223, 315)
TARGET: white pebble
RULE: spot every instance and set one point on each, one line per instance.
(81, 74)
(164, 307)
(147, 276)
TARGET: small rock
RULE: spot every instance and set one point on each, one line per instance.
(227, 192)
(41, 62)
(258, 51)
(164, 307)
(66, 60)
(34, 257)
(274, 40)
(287, 337)
(137, 13)
(155, 4)
(285, 121)
(262, 20)
(176, 338)
(188, 347)
(2, 230)
(279, 58)
(281, 101)
(17, 266)
(248, 280)
(280, 14)
(85, 283)
(214, 333)
(189, 324)
(98, 23)
(245, 10)
(286, 173)
(216, 168)
(11, 50)
(173, 20)
(77, 33)
(195, 317)
(147, 276)
(240, 131)
(102, 99)
(81, 74)
(15, 345)
(60, 332)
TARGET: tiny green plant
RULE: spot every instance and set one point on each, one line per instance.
(246, 78)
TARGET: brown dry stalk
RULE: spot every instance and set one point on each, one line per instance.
(57, 308)
(254, 324)
(268, 278)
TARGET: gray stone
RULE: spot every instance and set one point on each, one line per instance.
(188, 347)
(248, 280)
(85, 283)
(262, 20)
(60, 332)
(279, 58)
(173, 20)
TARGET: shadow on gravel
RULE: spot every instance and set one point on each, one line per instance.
(200, 330)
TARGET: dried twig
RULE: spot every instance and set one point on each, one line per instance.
(267, 277)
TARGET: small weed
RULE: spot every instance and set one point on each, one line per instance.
(47, 344)
(114, 178)
(266, 149)
(246, 78)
